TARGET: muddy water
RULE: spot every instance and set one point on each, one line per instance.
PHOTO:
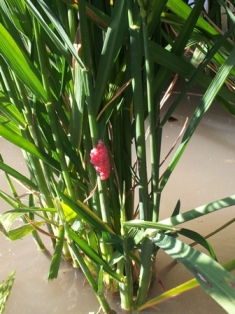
(205, 173)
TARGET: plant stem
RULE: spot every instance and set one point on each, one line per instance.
(137, 86)
(126, 288)
(81, 261)
(145, 271)
(153, 143)
(51, 110)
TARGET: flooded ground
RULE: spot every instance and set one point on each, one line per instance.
(205, 173)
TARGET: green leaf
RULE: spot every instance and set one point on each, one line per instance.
(12, 21)
(5, 290)
(58, 27)
(176, 210)
(172, 293)
(185, 32)
(20, 63)
(57, 255)
(85, 213)
(9, 125)
(7, 220)
(68, 212)
(20, 232)
(20, 17)
(198, 239)
(111, 47)
(183, 67)
(93, 255)
(145, 270)
(116, 257)
(21, 142)
(213, 278)
(183, 10)
(199, 211)
(17, 175)
(56, 41)
(11, 111)
(113, 239)
(199, 113)
(137, 223)
(12, 201)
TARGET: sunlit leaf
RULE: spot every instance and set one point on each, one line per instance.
(22, 231)
(57, 255)
(5, 290)
(20, 63)
(172, 293)
(213, 278)
(199, 211)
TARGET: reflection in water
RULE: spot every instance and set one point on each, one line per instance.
(205, 173)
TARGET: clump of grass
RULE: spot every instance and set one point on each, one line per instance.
(76, 77)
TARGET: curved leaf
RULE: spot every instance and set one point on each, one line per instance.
(199, 211)
(198, 239)
(191, 284)
(20, 232)
(213, 278)
(8, 218)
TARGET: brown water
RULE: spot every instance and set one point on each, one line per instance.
(205, 173)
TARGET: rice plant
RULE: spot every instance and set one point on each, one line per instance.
(79, 80)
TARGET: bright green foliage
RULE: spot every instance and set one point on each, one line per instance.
(5, 289)
(73, 73)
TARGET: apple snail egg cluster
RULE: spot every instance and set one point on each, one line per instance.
(100, 159)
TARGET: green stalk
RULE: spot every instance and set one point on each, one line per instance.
(80, 259)
(72, 23)
(41, 182)
(126, 302)
(62, 11)
(93, 201)
(129, 203)
(102, 186)
(24, 107)
(89, 91)
(51, 111)
(35, 234)
(126, 288)
(137, 86)
(154, 157)
(127, 148)
(31, 134)
(24, 103)
(106, 250)
(145, 271)
(101, 298)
